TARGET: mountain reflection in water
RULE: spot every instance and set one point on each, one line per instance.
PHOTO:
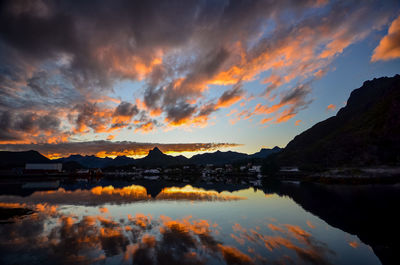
(100, 195)
(368, 211)
(125, 225)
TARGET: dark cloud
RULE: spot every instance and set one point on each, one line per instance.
(126, 109)
(207, 109)
(38, 83)
(297, 94)
(6, 127)
(16, 126)
(231, 96)
(179, 112)
(91, 116)
(65, 56)
(296, 100)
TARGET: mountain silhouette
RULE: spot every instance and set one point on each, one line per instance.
(19, 159)
(265, 152)
(156, 152)
(364, 132)
(155, 158)
(87, 161)
(158, 158)
(217, 158)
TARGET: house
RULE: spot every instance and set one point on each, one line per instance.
(43, 167)
(152, 171)
(289, 169)
(255, 169)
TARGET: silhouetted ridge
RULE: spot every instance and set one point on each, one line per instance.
(364, 132)
(19, 159)
(155, 158)
(155, 152)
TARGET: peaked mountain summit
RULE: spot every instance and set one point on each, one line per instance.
(155, 152)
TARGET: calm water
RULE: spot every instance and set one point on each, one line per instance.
(125, 223)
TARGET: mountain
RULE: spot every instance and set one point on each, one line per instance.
(155, 158)
(364, 132)
(229, 157)
(265, 152)
(19, 159)
(87, 161)
(158, 158)
(97, 162)
(217, 158)
(354, 210)
(122, 161)
(71, 166)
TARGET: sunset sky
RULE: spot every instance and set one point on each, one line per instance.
(120, 77)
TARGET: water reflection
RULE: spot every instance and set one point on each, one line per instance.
(101, 195)
(52, 237)
(111, 225)
(194, 194)
(368, 211)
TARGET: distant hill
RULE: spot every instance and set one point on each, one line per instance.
(87, 161)
(217, 158)
(19, 159)
(157, 158)
(364, 132)
(97, 162)
(265, 152)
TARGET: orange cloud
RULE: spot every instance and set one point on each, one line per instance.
(297, 123)
(331, 107)
(389, 46)
(275, 228)
(178, 67)
(310, 224)
(310, 251)
(234, 256)
(230, 97)
(263, 121)
(354, 244)
(285, 116)
(103, 210)
(229, 102)
(146, 127)
(125, 64)
(141, 220)
(241, 241)
(110, 137)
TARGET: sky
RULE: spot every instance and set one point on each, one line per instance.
(120, 77)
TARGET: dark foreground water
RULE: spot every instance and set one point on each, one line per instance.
(153, 223)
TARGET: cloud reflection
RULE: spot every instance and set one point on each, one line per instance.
(195, 194)
(291, 237)
(51, 236)
(102, 195)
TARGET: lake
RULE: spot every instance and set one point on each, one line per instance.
(116, 222)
